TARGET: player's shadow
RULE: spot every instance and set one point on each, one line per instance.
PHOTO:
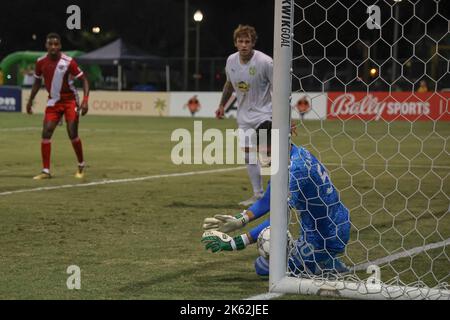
(144, 287)
(24, 176)
(139, 287)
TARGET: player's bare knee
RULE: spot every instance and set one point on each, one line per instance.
(72, 135)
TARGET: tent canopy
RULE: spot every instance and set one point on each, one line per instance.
(117, 53)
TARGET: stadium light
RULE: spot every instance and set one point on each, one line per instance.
(373, 72)
(198, 17)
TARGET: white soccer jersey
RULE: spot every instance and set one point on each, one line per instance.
(252, 83)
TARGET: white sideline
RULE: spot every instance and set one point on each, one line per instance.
(408, 253)
(361, 267)
(382, 165)
(18, 129)
(266, 296)
(104, 182)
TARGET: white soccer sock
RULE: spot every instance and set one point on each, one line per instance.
(254, 173)
(245, 239)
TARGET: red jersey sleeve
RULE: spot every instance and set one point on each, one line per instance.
(38, 70)
(75, 70)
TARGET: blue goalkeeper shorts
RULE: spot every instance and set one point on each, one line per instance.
(302, 259)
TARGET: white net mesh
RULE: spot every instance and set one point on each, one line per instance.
(382, 135)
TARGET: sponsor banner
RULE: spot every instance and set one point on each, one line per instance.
(205, 104)
(129, 103)
(178, 104)
(10, 99)
(113, 103)
(199, 105)
(389, 106)
(309, 106)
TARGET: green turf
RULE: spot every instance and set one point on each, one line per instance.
(141, 240)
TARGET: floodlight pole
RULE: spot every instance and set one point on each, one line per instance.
(119, 77)
(186, 45)
(395, 49)
(198, 17)
(197, 56)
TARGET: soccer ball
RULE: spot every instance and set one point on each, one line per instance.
(263, 243)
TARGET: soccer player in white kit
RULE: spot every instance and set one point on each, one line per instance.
(249, 74)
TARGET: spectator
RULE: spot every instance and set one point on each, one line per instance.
(423, 87)
(28, 77)
(2, 78)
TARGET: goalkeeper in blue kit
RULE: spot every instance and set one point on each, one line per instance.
(325, 221)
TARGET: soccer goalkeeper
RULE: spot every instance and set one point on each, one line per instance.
(324, 228)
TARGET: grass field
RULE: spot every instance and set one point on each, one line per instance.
(141, 239)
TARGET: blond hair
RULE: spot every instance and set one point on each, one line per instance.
(245, 31)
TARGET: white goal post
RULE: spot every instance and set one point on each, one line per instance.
(399, 227)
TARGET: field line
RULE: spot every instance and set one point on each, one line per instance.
(400, 255)
(384, 165)
(266, 296)
(106, 182)
(20, 129)
(364, 266)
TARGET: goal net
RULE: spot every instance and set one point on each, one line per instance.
(367, 85)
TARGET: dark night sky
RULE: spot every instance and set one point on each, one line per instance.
(154, 25)
(157, 26)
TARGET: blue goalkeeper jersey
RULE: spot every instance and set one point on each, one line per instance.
(325, 221)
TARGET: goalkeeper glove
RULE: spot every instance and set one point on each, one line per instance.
(219, 241)
(224, 223)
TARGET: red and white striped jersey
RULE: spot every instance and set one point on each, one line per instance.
(58, 76)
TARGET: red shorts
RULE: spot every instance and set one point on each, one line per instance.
(66, 108)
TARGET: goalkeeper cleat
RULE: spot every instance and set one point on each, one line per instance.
(252, 200)
(80, 172)
(43, 176)
(332, 266)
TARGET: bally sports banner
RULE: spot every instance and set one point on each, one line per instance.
(387, 106)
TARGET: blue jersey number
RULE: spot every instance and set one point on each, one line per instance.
(323, 174)
(325, 178)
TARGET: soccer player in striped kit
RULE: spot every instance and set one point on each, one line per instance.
(59, 73)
